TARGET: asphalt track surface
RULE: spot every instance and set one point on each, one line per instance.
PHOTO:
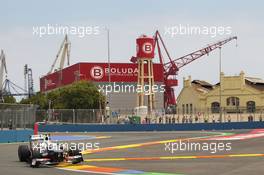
(146, 153)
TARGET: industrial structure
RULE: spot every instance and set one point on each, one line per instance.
(172, 66)
(136, 73)
(8, 88)
(123, 81)
(145, 54)
(28, 78)
(3, 69)
(63, 53)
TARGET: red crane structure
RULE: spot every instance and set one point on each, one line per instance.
(172, 67)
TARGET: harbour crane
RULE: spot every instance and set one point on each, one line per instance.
(64, 51)
(172, 67)
(8, 88)
(3, 70)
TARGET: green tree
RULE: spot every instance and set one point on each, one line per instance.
(80, 95)
(38, 99)
(9, 99)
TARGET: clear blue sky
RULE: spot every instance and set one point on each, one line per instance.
(127, 20)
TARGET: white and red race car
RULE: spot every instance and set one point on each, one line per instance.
(42, 151)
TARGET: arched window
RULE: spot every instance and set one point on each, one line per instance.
(215, 107)
(251, 106)
(232, 101)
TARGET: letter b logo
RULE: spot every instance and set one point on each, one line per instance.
(97, 72)
(147, 48)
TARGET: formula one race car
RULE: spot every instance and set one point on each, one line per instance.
(41, 151)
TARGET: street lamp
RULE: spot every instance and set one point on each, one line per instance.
(109, 64)
(49, 111)
(108, 55)
(220, 84)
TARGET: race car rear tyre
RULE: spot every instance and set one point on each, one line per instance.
(23, 153)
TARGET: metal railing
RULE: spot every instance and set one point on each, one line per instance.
(16, 116)
(24, 116)
(236, 114)
(69, 115)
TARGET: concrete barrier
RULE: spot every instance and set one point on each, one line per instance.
(147, 127)
(8, 136)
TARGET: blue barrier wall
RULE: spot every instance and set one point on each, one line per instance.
(8, 136)
(148, 127)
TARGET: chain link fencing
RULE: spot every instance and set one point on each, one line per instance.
(209, 115)
(16, 116)
(69, 115)
(124, 116)
(24, 116)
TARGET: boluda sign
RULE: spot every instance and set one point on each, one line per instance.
(119, 72)
(96, 72)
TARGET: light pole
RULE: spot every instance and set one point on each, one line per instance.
(49, 111)
(108, 52)
(220, 84)
(109, 65)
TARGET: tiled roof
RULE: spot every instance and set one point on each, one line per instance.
(201, 86)
(256, 83)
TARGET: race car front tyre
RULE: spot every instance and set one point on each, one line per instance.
(73, 152)
(34, 163)
(77, 160)
(76, 153)
(23, 153)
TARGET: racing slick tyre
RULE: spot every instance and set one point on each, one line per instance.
(23, 153)
(72, 152)
(34, 163)
(76, 153)
(35, 155)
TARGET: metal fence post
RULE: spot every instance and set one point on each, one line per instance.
(73, 116)
(15, 119)
(93, 118)
(24, 118)
(2, 124)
